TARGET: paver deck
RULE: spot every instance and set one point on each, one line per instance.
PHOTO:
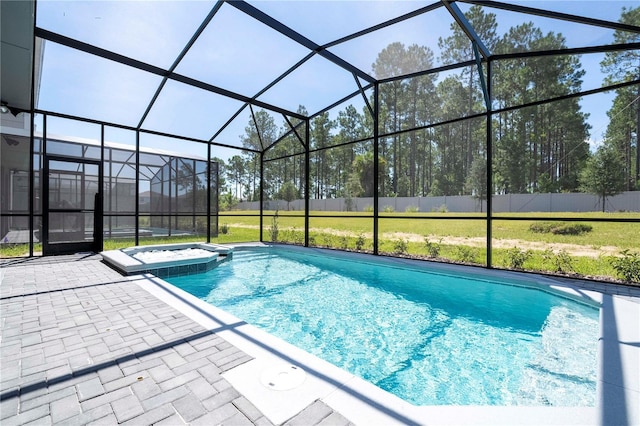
(81, 344)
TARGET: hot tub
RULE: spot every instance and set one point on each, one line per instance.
(167, 260)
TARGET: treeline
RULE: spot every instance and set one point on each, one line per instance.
(541, 148)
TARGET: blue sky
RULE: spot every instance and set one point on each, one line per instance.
(240, 54)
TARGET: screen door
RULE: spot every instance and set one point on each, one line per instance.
(73, 217)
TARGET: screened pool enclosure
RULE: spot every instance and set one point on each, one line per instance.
(176, 194)
(500, 134)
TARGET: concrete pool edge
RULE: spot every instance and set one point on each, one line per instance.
(618, 388)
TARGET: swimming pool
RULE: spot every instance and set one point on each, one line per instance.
(431, 339)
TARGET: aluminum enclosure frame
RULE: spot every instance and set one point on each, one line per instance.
(483, 63)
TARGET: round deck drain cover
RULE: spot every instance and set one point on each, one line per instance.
(283, 377)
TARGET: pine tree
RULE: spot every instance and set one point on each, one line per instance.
(624, 127)
(603, 174)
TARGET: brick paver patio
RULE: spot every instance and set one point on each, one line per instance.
(82, 344)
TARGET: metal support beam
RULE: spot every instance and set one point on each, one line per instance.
(376, 110)
(364, 95)
(555, 15)
(489, 154)
(209, 193)
(568, 51)
(286, 134)
(99, 207)
(385, 24)
(194, 201)
(483, 83)
(143, 66)
(44, 195)
(466, 26)
(182, 54)
(307, 183)
(430, 71)
(32, 178)
(269, 86)
(255, 123)
(261, 196)
(298, 38)
(137, 185)
(294, 129)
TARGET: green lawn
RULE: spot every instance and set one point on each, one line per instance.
(464, 240)
(620, 235)
(450, 237)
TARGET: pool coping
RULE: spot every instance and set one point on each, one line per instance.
(617, 389)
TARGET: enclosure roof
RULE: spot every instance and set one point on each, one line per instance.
(130, 149)
(204, 69)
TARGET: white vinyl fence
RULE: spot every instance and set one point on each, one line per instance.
(508, 203)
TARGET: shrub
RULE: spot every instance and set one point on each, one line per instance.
(325, 240)
(442, 209)
(343, 242)
(400, 246)
(572, 229)
(360, 242)
(627, 266)
(273, 229)
(388, 209)
(517, 257)
(368, 209)
(466, 254)
(412, 209)
(433, 248)
(559, 228)
(292, 236)
(561, 261)
(541, 227)
(224, 229)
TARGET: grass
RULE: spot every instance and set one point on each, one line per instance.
(237, 236)
(603, 233)
(342, 232)
(461, 237)
(18, 250)
(621, 235)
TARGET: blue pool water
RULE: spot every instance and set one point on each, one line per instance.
(429, 338)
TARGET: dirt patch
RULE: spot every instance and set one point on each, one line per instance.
(571, 249)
